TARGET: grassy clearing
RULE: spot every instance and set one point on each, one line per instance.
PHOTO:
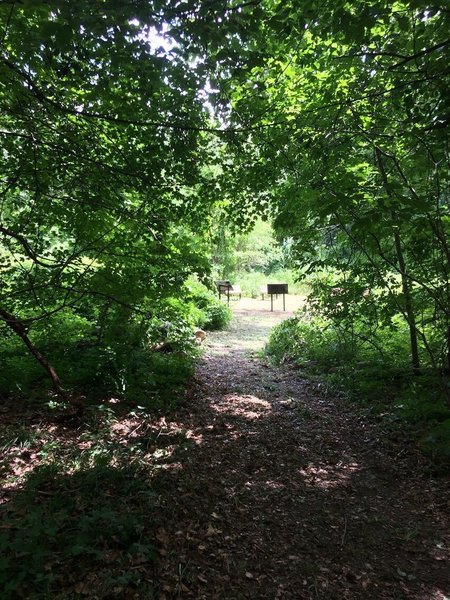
(251, 282)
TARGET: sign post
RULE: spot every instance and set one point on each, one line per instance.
(273, 289)
(224, 287)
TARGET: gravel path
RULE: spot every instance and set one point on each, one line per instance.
(286, 492)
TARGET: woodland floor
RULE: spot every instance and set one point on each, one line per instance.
(262, 485)
(289, 493)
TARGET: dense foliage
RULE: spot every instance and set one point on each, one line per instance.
(126, 128)
(125, 132)
(353, 104)
(101, 213)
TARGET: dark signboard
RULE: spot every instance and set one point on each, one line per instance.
(224, 287)
(277, 288)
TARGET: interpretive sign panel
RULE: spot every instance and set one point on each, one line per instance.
(277, 288)
(273, 289)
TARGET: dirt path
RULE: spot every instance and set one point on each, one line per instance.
(285, 492)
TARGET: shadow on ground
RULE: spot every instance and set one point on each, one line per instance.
(260, 486)
(290, 495)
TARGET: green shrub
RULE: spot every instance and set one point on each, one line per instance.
(214, 314)
(436, 443)
(301, 341)
(199, 294)
(217, 316)
(423, 399)
(376, 373)
(119, 360)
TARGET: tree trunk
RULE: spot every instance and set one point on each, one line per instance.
(406, 289)
(19, 328)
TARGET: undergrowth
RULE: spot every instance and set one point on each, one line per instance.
(79, 504)
(79, 499)
(376, 374)
(145, 359)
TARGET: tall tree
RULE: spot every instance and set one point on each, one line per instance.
(350, 117)
(103, 134)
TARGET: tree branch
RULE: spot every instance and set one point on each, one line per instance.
(420, 54)
(20, 329)
(27, 247)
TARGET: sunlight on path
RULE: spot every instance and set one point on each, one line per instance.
(251, 325)
(285, 492)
